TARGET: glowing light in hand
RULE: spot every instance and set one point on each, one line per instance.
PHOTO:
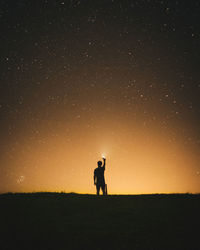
(103, 156)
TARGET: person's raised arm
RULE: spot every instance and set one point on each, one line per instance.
(104, 163)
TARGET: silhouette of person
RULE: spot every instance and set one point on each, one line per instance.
(99, 179)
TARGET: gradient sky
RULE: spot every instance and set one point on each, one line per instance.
(79, 79)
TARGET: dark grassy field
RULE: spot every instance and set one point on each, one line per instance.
(73, 221)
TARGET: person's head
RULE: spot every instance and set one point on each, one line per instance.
(99, 163)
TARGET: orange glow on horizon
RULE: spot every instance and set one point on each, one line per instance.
(139, 160)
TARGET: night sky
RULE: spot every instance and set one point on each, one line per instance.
(79, 79)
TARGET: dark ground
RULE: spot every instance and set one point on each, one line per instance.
(73, 221)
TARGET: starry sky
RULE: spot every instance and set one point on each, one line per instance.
(82, 78)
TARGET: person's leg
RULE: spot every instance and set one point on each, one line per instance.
(98, 188)
(103, 189)
(106, 191)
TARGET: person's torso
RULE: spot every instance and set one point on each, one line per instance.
(99, 172)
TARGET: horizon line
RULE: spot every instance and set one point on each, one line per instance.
(67, 193)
